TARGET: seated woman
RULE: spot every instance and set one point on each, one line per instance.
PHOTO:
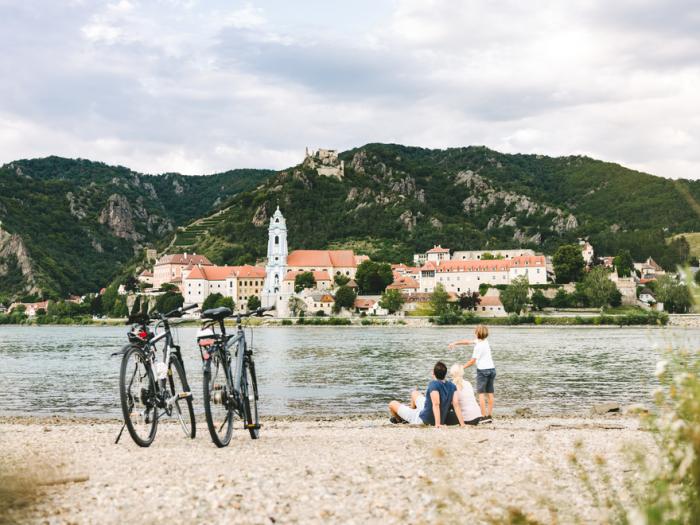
(471, 413)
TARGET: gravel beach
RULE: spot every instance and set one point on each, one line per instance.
(350, 470)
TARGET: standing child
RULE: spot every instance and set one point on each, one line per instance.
(485, 369)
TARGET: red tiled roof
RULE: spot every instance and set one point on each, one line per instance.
(249, 271)
(526, 261)
(318, 275)
(221, 273)
(438, 249)
(351, 284)
(324, 258)
(430, 265)
(403, 282)
(474, 265)
(362, 303)
(146, 273)
(183, 258)
(490, 300)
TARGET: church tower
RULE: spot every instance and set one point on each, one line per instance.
(276, 258)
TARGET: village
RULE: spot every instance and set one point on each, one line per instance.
(320, 283)
(341, 283)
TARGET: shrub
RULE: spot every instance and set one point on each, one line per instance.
(673, 495)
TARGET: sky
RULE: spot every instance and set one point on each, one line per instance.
(205, 86)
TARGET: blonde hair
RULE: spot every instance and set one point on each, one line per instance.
(457, 375)
(481, 331)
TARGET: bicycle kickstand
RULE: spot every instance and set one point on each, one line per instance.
(120, 434)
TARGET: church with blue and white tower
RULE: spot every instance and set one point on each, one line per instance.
(277, 252)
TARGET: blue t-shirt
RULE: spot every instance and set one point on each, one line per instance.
(446, 391)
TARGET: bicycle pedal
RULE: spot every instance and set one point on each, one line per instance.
(253, 426)
(183, 395)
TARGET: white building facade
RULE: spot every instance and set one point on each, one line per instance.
(277, 252)
(460, 276)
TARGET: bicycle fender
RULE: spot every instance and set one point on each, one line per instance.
(122, 351)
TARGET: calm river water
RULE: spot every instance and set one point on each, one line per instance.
(346, 370)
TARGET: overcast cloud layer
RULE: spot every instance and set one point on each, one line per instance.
(200, 87)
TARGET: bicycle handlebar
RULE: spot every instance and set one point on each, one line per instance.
(144, 319)
(258, 312)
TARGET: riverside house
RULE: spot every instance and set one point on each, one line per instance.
(172, 268)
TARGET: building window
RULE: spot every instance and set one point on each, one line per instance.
(277, 239)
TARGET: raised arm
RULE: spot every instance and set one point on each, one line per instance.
(460, 342)
(458, 409)
(435, 399)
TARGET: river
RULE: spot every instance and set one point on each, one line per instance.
(347, 370)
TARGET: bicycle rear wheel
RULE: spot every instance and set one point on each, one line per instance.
(137, 391)
(218, 400)
(249, 391)
(182, 407)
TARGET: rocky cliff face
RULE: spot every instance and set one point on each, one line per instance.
(13, 247)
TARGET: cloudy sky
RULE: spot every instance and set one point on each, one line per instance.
(202, 86)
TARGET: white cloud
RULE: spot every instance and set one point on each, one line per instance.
(197, 86)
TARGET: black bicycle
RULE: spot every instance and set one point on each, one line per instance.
(151, 389)
(230, 384)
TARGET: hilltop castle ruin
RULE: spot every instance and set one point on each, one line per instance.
(325, 162)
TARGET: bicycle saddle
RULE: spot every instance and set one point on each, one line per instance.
(217, 314)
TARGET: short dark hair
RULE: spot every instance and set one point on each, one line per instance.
(440, 370)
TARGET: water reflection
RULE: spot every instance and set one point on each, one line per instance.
(345, 370)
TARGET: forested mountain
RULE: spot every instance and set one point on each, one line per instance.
(68, 225)
(395, 200)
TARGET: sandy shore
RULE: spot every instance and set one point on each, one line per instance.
(355, 470)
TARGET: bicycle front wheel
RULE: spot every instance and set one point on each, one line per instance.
(249, 391)
(218, 400)
(182, 404)
(137, 391)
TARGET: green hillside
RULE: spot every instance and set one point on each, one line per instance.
(395, 200)
(69, 225)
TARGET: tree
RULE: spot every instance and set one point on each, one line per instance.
(598, 288)
(96, 305)
(169, 301)
(119, 309)
(131, 284)
(439, 300)
(469, 301)
(344, 298)
(675, 296)
(296, 305)
(341, 280)
(304, 280)
(392, 300)
(561, 299)
(623, 263)
(253, 302)
(568, 263)
(373, 277)
(514, 297)
(109, 297)
(539, 301)
(226, 302)
(136, 307)
(211, 301)
(168, 287)
(697, 277)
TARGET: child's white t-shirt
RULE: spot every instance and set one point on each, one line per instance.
(482, 354)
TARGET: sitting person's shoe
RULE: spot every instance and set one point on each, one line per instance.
(395, 420)
(486, 419)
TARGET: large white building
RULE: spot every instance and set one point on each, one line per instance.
(459, 276)
(438, 253)
(238, 282)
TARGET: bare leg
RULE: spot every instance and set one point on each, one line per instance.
(490, 404)
(394, 408)
(482, 404)
(414, 395)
